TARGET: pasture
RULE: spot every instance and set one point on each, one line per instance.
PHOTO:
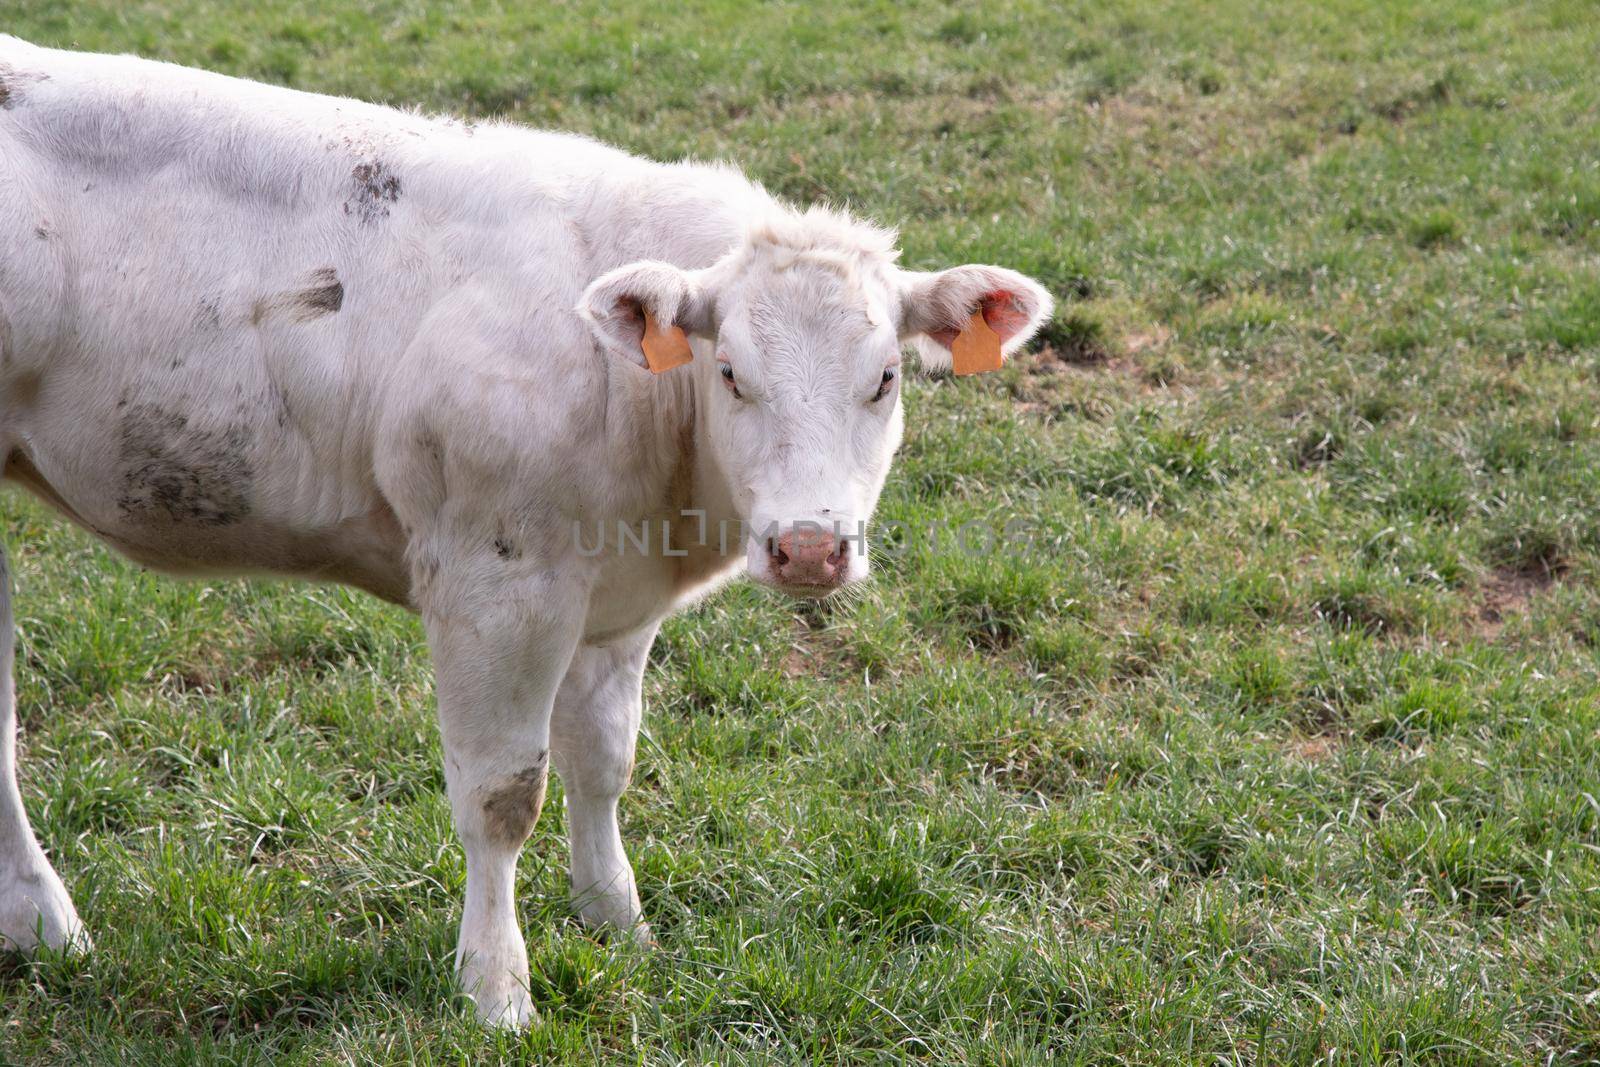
(1280, 744)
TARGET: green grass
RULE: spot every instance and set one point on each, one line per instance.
(1282, 746)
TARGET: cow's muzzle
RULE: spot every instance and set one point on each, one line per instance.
(808, 560)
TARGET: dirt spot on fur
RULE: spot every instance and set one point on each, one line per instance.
(25, 389)
(1507, 593)
(324, 296)
(208, 318)
(177, 472)
(376, 187)
(428, 444)
(10, 80)
(511, 810)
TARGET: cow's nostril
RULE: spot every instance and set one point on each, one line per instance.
(775, 550)
(840, 553)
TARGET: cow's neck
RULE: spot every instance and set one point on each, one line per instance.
(711, 491)
(699, 498)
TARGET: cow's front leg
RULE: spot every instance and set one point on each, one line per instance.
(593, 731)
(34, 906)
(499, 651)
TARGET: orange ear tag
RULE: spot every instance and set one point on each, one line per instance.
(664, 349)
(977, 348)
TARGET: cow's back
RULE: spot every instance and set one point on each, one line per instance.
(145, 185)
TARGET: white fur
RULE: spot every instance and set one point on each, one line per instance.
(249, 329)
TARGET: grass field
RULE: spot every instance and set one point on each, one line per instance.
(1281, 746)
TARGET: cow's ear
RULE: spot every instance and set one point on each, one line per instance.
(645, 311)
(968, 318)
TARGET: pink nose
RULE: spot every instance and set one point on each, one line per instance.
(808, 556)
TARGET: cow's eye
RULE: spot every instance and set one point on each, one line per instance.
(885, 384)
(727, 378)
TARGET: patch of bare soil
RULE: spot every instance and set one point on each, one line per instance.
(816, 651)
(1317, 748)
(1152, 338)
(1052, 377)
(797, 663)
(1507, 594)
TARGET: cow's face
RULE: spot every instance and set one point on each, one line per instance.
(799, 375)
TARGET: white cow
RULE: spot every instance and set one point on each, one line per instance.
(249, 329)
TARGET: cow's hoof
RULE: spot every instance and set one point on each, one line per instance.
(625, 926)
(514, 1012)
(616, 913)
(36, 910)
(500, 1000)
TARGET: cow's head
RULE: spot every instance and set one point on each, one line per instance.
(799, 375)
